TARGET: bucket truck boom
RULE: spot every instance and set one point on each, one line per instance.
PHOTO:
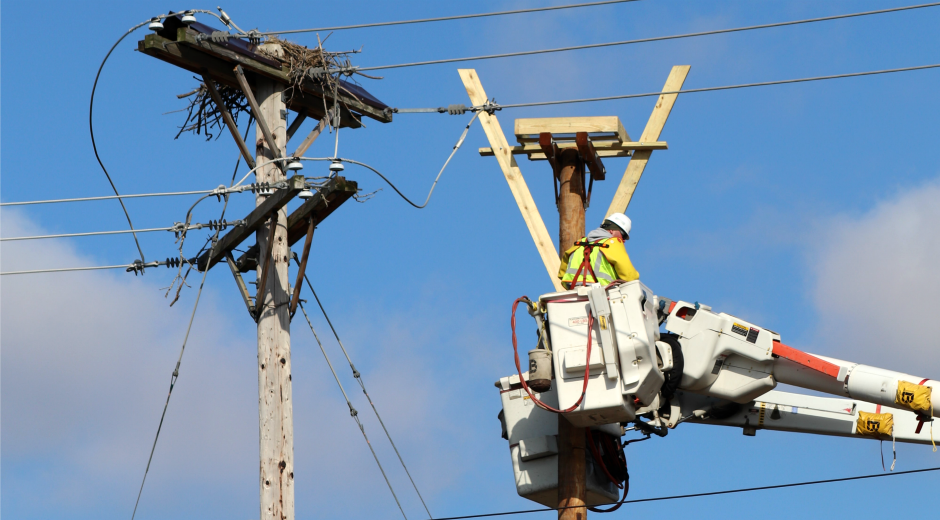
(612, 366)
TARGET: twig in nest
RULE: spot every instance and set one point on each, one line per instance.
(204, 116)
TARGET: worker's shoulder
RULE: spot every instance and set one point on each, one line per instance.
(614, 240)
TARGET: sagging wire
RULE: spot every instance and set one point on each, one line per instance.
(176, 370)
(358, 377)
(91, 109)
(647, 40)
(457, 146)
(353, 412)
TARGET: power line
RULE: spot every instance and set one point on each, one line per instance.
(353, 412)
(646, 40)
(697, 495)
(91, 130)
(108, 197)
(176, 370)
(125, 266)
(358, 377)
(178, 228)
(446, 18)
(726, 87)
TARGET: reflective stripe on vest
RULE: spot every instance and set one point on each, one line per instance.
(602, 268)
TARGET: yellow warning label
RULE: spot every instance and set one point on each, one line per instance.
(874, 424)
(914, 397)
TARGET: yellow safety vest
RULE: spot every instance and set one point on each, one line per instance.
(602, 269)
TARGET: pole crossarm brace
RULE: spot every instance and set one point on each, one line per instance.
(229, 122)
(311, 137)
(256, 110)
(657, 120)
(331, 196)
(295, 124)
(517, 184)
(257, 218)
(184, 49)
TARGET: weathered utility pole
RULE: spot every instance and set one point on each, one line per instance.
(275, 407)
(572, 468)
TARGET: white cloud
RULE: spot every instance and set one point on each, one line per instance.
(877, 282)
(86, 361)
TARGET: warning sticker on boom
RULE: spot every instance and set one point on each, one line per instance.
(752, 335)
(739, 329)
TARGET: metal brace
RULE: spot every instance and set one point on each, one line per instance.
(259, 299)
(242, 288)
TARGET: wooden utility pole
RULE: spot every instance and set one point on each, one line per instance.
(572, 468)
(275, 407)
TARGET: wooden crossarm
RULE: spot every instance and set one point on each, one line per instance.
(253, 221)
(322, 205)
(654, 127)
(507, 163)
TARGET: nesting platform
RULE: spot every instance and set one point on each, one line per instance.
(605, 133)
(190, 48)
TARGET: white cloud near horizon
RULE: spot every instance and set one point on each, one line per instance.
(877, 282)
(86, 361)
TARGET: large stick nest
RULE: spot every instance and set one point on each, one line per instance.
(303, 64)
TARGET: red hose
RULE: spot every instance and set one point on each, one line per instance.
(597, 458)
(587, 364)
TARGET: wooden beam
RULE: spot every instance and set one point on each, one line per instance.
(311, 137)
(219, 62)
(295, 124)
(328, 198)
(657, 120)
(253, 221)
(229, 122)
(530, 213)
(571, 125)
(550, 149)
(591, 159)
(250, 96)
(604, 148)
(242, 288)
(302, 268)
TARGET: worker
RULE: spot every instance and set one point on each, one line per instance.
(608, 260)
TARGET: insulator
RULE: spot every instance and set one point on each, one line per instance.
(173, 262)
(263, 187)
(456, 109)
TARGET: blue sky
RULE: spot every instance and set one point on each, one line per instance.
(808, 209)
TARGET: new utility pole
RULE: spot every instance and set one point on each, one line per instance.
(275, 407)
(572, 468)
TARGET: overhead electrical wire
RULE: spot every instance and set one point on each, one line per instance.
(725, 87)
(108, 197)
(493, 107)
(91, 111)
(176, 371)
(647, 40)
(358, 377)
(125, 266)
(446, 18)
(460, 141)
(91, 130)
(697, 495)
(353, 412)
(177, 229)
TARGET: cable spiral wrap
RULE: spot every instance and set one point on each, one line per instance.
(256, 187)
(218, 225)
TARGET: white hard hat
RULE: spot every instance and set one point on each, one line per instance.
(622, 221)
